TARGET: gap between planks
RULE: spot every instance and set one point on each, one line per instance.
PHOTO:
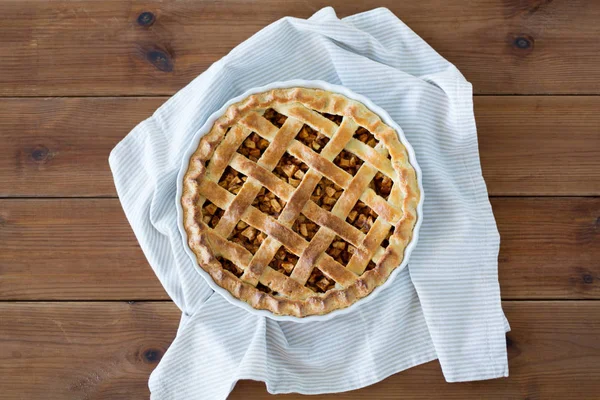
(167, 96)
(119, 301)
(112, 197)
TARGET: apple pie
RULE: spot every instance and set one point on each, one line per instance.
(299, 201)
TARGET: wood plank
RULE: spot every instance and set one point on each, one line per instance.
(98, 48)
(554, 353)
(549, 247)
(60, 147)
(83, 249)
(531, 145)
(107, 350)
(71, 249)
(82, 350)
(539, 145)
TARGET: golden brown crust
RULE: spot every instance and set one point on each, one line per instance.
(354, 281)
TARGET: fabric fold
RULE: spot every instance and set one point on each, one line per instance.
(446, 305)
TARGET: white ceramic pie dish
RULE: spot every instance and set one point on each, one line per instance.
(306, 84)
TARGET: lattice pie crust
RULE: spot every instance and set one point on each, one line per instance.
(299, 201)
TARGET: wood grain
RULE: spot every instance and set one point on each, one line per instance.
(99, 48)
(82, 350)
(549, 247)
(531, 145)
(71, 249)
(539, 145)
(60, 147)
(84, 249)
(107, 350)
(553, 353)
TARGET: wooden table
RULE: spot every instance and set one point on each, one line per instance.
(82, 315)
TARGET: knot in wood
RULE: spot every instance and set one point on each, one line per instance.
(160, 60)
(152, 355)
(523, 42)
(40, 153)
(146, 19)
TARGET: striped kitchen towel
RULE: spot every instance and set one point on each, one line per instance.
(445, 305)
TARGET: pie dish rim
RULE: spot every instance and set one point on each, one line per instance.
(309, 84)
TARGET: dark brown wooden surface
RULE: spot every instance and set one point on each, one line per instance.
(104, 350)
(69, 261)
(97, 47)
(530, 145)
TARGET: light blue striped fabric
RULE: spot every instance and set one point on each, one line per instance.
(446, 305)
